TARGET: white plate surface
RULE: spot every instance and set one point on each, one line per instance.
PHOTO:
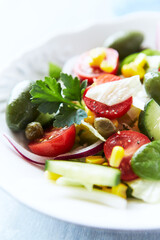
(27, 182)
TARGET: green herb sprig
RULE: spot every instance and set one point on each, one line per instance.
(63, 98)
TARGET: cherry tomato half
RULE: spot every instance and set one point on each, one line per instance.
(55, 141)
(103, 110)
(84, 71)
(130, 141)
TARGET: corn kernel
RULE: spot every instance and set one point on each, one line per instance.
(51, 175)
(131, 69)
(120, 190)
(116, 156)
(106, 67)
(97, 55)
(141, 60)
(135, 67)
(105, 164)
(91, 116)
(106, 189)
(95, 159)
(115, 122)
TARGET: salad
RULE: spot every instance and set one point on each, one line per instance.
(95, 124)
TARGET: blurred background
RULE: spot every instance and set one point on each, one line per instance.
(25, 24)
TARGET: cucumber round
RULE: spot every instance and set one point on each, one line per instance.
(85, 172)
(149, 120)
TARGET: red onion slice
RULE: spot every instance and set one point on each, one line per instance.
(76, 153)
(27, 155)
(82, 152)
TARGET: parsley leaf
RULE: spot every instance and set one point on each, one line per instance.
(49, 107)
(48, 90)
(68, 116)
(54, 71)
(63, 98)
(72, 90)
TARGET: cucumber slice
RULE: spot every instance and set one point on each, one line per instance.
(85, 173)
(149, 120)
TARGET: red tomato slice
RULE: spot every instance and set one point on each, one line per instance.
(130, 141)
(103, 110)
(84, 71)
(55, 141)
(104, 78)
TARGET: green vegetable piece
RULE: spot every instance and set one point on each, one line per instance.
(125, 42)
(54, 99)
(73, 89)
(131, 58)
(20, 110)
(33, 131)
(45, 119)
(149, 120)
(152, 85)
(87, 137)
(146, 161)
(85, 173)
(128, 60)
(68, 116)
(151, 52)
(54, 71)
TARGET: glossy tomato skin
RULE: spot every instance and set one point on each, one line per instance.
(130, 141)
(84, 71)
(103, 110)
(55, 141)
(107, 77)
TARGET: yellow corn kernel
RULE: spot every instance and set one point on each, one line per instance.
(115, 122)
(105, 164)
(116, 156)
(141, 60)
(97, 55)
(131, 69)
(105, 67)
(120, 190)
(51, 175)
(95, 159)
(91, 116)
(106, 189)
(89, 119)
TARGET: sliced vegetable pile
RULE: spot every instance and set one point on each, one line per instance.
(98, 127)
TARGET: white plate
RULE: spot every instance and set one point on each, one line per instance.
(25, 181)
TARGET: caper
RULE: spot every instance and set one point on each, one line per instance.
(33, 131)
(104, 126)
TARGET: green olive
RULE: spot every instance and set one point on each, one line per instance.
(20, 110)
(152, 85)
(33, 131)
(125, 43)
(104, 126)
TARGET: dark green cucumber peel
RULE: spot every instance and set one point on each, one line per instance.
(146, 161)
(149, 120)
